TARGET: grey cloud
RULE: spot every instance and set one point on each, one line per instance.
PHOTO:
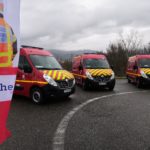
(62, 24)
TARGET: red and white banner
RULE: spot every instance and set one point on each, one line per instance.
(9, 55)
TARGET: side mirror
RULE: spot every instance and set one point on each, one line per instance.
(27, 69)
(135, 67)
(80, 67)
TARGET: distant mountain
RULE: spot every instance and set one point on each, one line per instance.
(67, 55)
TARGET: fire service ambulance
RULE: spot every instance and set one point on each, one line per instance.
(138, 70)
(93, 70)
(40, 76)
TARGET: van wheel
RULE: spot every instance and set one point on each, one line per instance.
(65, 97)
(37, 96)
(111, 87)
(139, 83)
(84, 85)
(129, 81)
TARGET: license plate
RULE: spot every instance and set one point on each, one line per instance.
(67, 90)
(102, 83)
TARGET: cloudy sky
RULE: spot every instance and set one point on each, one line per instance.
(82, 24)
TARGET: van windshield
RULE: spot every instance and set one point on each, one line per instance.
(96, 64)
(144, 63)
(45, 62)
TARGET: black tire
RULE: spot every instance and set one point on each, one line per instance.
(37, 96)
(139, 83)
(129, 81)
(66, 97)
(111, 87)
(85, 86)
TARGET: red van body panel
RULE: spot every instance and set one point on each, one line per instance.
(96, 76)
(25, 82)
(134, 70)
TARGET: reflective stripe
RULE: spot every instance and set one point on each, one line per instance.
(138, 75)
(28, 81)
(79, 75)
(59, 74)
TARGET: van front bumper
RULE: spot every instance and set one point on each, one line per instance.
(94, 83)
(56, 91)
(145, 81)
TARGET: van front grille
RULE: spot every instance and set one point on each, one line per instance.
(65, 84)
(102, 79)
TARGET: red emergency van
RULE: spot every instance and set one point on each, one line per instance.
(40, 76)
(93, 70)
(138, 70)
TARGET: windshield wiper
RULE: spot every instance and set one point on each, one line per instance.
(43, 68)
(99, 68)
(56, 68)
(47, 68)
(145, 67)
(103, 68)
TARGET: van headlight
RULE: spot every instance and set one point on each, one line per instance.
(143, 74)
(112, 76)
(49, 80)
(88, 75)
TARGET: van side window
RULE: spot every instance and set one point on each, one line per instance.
(22, 62)
(26, 63)
(20, 65)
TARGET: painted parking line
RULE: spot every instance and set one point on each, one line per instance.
(59, 137)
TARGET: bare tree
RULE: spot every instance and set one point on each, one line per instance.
(118, 52)
(131, 40)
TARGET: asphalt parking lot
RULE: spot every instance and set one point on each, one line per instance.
(90, 120)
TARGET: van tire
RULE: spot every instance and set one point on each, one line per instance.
(129, 81)
(37, 95)
(65, 97)
(111, 87)
(139, 83)
(84, 86)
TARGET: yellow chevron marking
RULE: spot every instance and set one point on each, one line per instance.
(102, 72)
(91, 71)
(69, 75)
(64, 74)
(146, 70)
(95, 72)
(54, 75)
(98, 72)
(49, 73)
(63, 77)
(59, 75)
